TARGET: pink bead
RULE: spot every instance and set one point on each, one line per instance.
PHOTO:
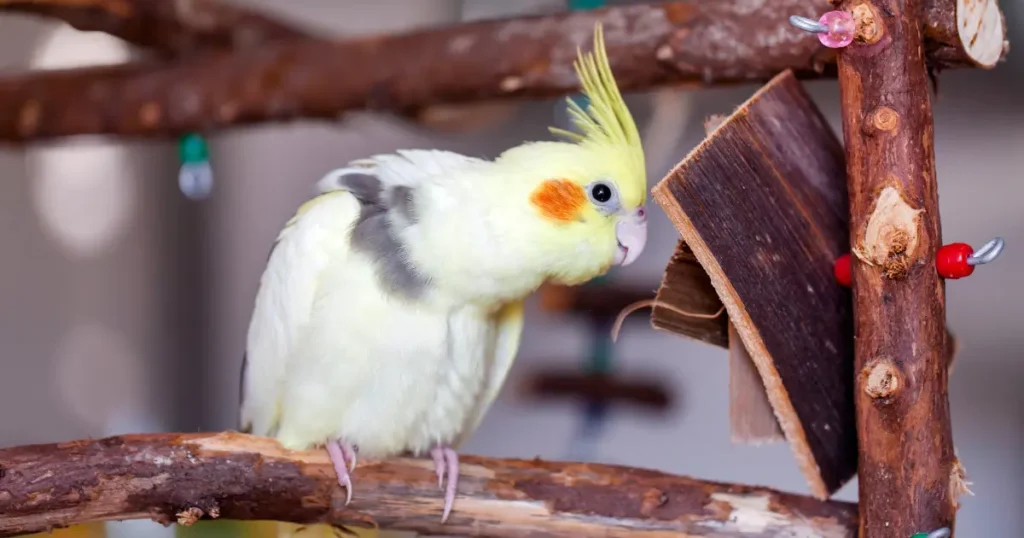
(841, 29)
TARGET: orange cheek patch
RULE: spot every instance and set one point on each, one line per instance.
(559, 199)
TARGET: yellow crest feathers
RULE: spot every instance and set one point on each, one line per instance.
(607, 120)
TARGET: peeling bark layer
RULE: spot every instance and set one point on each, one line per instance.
(173, 477)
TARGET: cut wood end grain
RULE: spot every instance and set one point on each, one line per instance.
(982, 30)
(869, 25)
(884, 379)
(882, 120)
(891, 235)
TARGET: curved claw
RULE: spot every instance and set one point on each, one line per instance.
(338, 451)
(987, 253)
(346, 482)
(446, 461)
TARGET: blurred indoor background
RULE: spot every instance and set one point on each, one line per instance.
(124, 303)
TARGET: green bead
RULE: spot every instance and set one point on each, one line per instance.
(576, 5)
(920, 535)
(192, 149)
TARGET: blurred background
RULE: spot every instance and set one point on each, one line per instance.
(124, 303)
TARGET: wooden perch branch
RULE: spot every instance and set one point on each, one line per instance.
(172, 28)
(649, 45)
(908, 474)
(236, 476)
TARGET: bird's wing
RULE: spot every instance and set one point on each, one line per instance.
(361, 207)
(316, 235)
(404, 168)
(509, 328)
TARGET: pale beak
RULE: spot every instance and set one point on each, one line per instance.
(631, 233)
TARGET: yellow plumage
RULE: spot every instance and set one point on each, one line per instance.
(607, 122)
(391, 307)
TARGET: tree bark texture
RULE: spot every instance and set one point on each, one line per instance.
(171, 477)
(700, 42)
(908, 480)
(171, 28)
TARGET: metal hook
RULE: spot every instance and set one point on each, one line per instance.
(944, 532)
(808, 25)
(990, 251)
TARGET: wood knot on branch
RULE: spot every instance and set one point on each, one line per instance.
(890, 237)
(898, 264)
(192, 514)
(869, 24)
(187, 517)
(653, 499)
(882, 120)
(883, 379)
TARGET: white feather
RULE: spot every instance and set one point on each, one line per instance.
(317, 234)
(404, 167)
(509, 328)
(333, 356)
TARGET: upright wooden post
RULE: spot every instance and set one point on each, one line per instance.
(907, 471)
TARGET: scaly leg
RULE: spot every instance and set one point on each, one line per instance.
(446, 461)
(343, 456)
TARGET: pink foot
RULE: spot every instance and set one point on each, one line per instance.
(446, 461)
(343, 456)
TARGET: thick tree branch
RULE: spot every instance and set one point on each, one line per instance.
(649, 45)
(235, 476)
(909, 478)
(172, 28)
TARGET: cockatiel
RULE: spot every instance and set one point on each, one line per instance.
(391, 307)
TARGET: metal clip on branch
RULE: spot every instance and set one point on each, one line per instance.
(952, 261)
(834, 29)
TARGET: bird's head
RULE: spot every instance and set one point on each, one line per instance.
(587, 195)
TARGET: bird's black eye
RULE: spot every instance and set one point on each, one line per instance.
(601, 192)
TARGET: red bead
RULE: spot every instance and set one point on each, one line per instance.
(843, 271)
(951, 260)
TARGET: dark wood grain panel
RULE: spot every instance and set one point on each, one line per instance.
(762, 203)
